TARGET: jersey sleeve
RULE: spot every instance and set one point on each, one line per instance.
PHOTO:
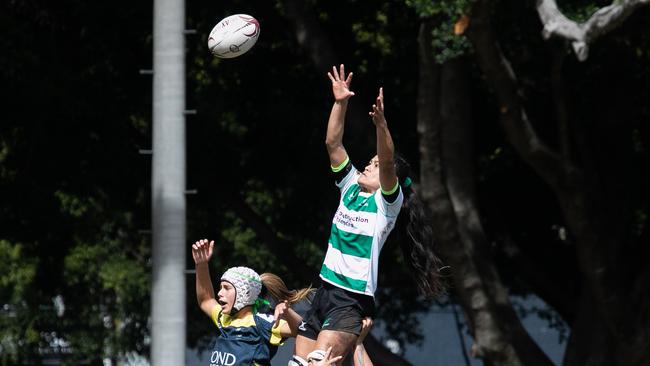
(389, 203)
(269, 332)
(276, 337)
(345, 174)
(391, 195)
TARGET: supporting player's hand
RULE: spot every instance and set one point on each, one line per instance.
(327, 360)
(202, 251)
(377, 113)
(279, 312)
(366, 324)
(340, 83)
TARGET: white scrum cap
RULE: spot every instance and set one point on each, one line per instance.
(247, 283)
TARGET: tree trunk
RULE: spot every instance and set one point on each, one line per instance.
(444, 128)
(611, 321)
(168, 313)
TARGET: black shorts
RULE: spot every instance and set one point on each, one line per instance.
(334, 308)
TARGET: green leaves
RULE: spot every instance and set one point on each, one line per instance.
(72, 205)
(380, 41)
(445, 42)
(17, 272)
(108, 290)
(429, 8)
(17, 329)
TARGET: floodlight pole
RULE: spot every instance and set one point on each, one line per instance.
(168, 319)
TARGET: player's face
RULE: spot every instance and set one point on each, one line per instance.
(226, 296)
(369, 178)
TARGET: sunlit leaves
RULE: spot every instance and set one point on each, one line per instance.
(429, 8)
(17, 328)
(112, 275)
(381, 41)
(447, 43)
(17, 271)
(73, 205)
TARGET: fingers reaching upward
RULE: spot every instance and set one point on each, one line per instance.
(279, 312)
(366, 324)
(377, 112)
(340, 83)
(202, 251)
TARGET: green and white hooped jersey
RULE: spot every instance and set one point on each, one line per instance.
(359, 230)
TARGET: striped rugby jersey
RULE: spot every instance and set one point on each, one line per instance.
(359, 230)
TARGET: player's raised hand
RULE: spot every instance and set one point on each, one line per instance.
(366, 324)
(340, 83)
(202, 251)
(279, 312)
(377, 113)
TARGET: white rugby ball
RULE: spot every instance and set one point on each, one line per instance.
(233, 36)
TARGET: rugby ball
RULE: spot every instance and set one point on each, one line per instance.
(233, 36)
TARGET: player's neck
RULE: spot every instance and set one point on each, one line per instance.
(244, 312)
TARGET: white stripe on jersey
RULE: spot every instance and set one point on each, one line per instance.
(353, 267)
(355, 222)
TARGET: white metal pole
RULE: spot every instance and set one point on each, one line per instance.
(168, 319)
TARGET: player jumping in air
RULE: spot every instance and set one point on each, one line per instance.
(368, 210)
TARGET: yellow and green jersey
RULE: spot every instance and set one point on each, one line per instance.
(248, 341)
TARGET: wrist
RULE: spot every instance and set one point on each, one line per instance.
(381, 123)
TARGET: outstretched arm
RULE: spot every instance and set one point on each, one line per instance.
(336, 122)
(202, 252)
(361, 357)
(385, 148)
(289, 328)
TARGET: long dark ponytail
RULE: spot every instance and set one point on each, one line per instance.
(416, 235)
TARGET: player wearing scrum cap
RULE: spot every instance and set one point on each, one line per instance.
(245, 336)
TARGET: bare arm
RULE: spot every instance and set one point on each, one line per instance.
(202, 252)
(336, 122)
(385, 148)
(361, 357)
(290, 328)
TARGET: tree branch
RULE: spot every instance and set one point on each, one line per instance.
(575, 195)
(560, 100)
(583, 34)
(447, 189)
(502, 79)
